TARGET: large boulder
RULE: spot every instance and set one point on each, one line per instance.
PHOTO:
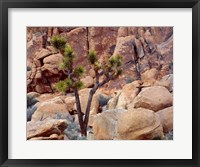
(139, 124)
(128, 93)
(46, 130)
(104, 124)
(154, 98)
(42, 54)
(166, 118)
(149, 77)
(120, 124)
(51, 109)
(33, 94)
(88, 81)
(51, 64)
(166, 81)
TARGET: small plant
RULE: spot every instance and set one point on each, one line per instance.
(103, 100)
(58, 42)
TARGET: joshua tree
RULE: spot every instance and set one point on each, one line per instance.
(109, 70)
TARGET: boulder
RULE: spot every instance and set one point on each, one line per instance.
(33, 94)
(139, 124)
(70, 102)
(154, 98)
(92, 73)
(149, 77)
(51, 137)
(46, 128)
(139, 48)
(53, 59)
(51, 109)
(88, 81)
(51, 64)
(112, 103)
(166, 119)
(168, 81)
(128, 93)
(42, 54)
(104, 124)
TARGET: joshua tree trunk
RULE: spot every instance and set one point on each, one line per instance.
(80, 114)
(87, 112)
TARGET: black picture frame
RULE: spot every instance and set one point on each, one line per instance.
(4, 68)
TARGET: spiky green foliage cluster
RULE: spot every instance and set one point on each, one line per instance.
(58, 42)
(78, 84)
(92, 57)
(74, 74)
(68, 52)
(63, 85)
(79, 71)
(68, 58)
(116, 61)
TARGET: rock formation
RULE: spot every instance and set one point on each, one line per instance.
(138, 105)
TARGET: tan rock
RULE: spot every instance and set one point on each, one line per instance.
(33, 94)
(52, 49)
(88, 81)
(129, 92)
(51, 64)
(168, 79)
(52, 137)
(166, 84)
(122, 32)
(51, 109)
(91, 120)
(41, 88)
(139, 48)
(92, 73)
(154, 98)
(104, 125)
(37, 62)
(139, 124)
(149, 77)
(53, 59)
(166, 118)
(45, 128)
(112, 103)
(42, 54)
(70, 102)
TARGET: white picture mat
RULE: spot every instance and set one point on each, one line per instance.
(179, 148)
